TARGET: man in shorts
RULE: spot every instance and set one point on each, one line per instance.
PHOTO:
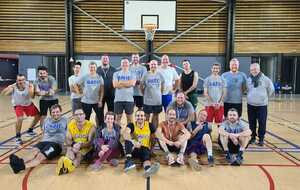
(75, 97)
(93, 90)
(185, 112)
(124, 81)
(171, 79)
(152, 86)
(173, 137)
(21, 93)
(139, 70)
(200, 141)
(79, 139)
(236, 86)
(54, 132)
(234, 137)
(214, 91)
(138, 143)
(46, 88)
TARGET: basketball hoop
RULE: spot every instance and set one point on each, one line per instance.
(149, 30)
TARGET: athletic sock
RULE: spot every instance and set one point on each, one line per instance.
(209, 153)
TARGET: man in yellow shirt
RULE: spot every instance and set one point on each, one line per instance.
(79, 143)
(137, 144)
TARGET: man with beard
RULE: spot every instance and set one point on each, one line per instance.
(106, 71)
(139, 70)
(79, 139)
(234, 137)
(54, 132)
(21, 94)
(45, 87)
(173, 137)
(260, 87)
(138, 143)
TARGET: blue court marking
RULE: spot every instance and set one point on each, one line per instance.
(284, 140)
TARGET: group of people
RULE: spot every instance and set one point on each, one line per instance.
(183, 132)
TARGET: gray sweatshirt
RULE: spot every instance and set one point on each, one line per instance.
(259, 96)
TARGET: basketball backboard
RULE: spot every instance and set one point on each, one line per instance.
(140, 12)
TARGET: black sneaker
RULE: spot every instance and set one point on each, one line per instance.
(129, 165)
(31, 133)
(19, 141)
(260, 143)
(17, 164)
(252, 140)
(211, 161)
(152, 170)
(228, 157)
(235, 162)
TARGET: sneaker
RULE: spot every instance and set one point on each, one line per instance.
(194, 164)
(19, 141)
(228, 157)
(129, 165)
(60, 166)
(68, 165)
(17, 164)
(235, 162)
(96, 166)
(252, 140)
(211, 161)
(114, 162)
(260, 143)
(180, 159)
(152, 170)
(31, 133)
(171, 159)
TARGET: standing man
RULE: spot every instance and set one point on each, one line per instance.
(173, 137)
(214, 91)
(234, 137)
(188, 83)
(93, 90)
(79, 140)
(106, 71)
(185, 112)
(171, 79)
(75, 97)
(21, 93)
(137, 144)
(54, 132)
(123, 82)
(260, 87)
(139, 70)
(236, 86)
(46, 88)
(152, 87)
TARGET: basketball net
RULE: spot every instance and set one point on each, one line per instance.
(149, 30)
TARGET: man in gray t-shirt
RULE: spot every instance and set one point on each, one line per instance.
(46, 88)
(236, 86)
(93, 90)
(54, 132)
(152, 85)
(21, 93)
(185, 112)
(139, 70)
(214, 91)
(124, 81)
(75, 97)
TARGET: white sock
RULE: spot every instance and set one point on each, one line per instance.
(209, 152)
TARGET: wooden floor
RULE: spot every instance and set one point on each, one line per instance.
(274, 166)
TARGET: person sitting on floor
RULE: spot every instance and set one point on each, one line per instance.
(54, 132)
(79, 138)
(200, 141)
(107, 144)
(234, 137)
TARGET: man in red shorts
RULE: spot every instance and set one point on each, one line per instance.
(21, 92)
(214, 91)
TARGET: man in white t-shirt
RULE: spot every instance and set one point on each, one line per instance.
(75, 97)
